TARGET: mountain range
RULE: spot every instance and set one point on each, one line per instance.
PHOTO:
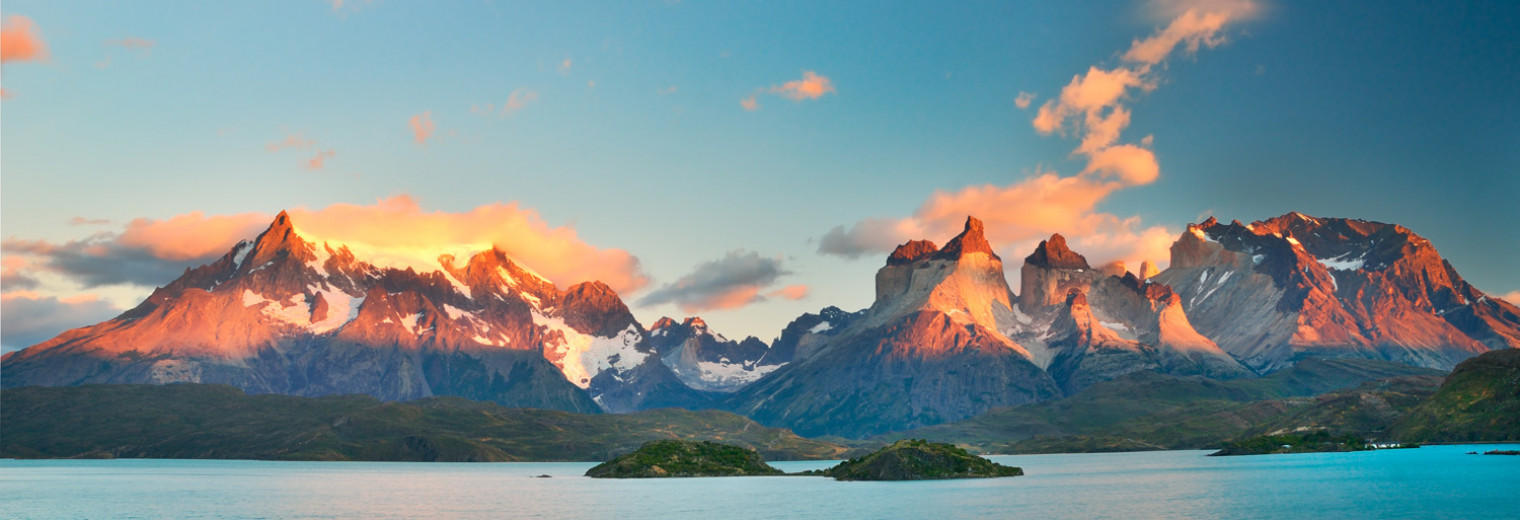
(945, 339)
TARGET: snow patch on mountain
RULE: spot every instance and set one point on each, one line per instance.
(582, 356)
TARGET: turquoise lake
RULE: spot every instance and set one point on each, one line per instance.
(1425, 483)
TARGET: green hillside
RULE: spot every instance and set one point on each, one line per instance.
(221, 422)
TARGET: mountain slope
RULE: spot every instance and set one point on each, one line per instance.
(928, 351)
(1296, 286)
(1479, 401)
(282, 314)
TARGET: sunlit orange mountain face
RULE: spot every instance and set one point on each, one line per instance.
(945, 339)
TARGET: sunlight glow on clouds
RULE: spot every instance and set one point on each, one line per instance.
(422, 127)
(148, 253)
(1090, 108)
(20, 41)
(811, 86)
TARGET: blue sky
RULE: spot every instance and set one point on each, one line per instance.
(632, 133)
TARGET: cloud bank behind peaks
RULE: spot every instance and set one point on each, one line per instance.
(394, 232)
(1090, 109)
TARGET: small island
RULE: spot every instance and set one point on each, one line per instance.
(915, 459)
(678, 458)
(1316, 442)
(1501, 452)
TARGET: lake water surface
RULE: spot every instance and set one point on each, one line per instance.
(1429, 482)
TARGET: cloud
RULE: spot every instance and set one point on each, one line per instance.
(667, 90)
(145, 47)
(393, 232)
(1512, 297)
(81, 221)
(319, 161)
(13, 274)
(811, 86)
(790, 292)
(422, 127)
(295, 141)
(726, 283)
(564, 67)
(1091, 109)
(517, 100)
(1017, 217)
(145, 252)
(21, 41)
(1024, 99)
(28, 318)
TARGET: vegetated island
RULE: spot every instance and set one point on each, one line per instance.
(1502, 452)
(1316, 442)
(903, 460)
(678, 458)
(918, 459)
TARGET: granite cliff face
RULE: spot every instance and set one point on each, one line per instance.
(281, 314)
(1296, 286)
(928, 351)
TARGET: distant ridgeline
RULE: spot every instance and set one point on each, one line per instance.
(945, 341)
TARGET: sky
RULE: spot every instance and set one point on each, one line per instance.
(742, 161)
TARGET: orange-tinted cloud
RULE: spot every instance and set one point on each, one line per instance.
(399, 231)
(422, 127)
(295, 141)
(1512, 297)
(517, 100)
(81, 221)
(1023, 100)
(394, 232)
(1017, 217)
(20, 40)
(811, 86)
(790, 292)
(1091, 108)
(318, 161)
(726, 283)
(564, 67)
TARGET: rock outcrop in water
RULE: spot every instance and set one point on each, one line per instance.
(919, 460)
(677, 458)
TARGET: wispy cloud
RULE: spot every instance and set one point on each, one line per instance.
(20, 40)
(296, 141)
(516, 101)
(319, 161)
(811, 86)
(81, 221)
(564, 67)
(733, 281)
(1023, 100)
(1090, 108)
(422, 127)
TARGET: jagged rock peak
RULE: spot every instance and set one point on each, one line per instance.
(971, 240)
(695, 323)
(1149, 290)
(1076, 298)
(912, 251)
(661, 323)
(1148, 269)
(1053, 253)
